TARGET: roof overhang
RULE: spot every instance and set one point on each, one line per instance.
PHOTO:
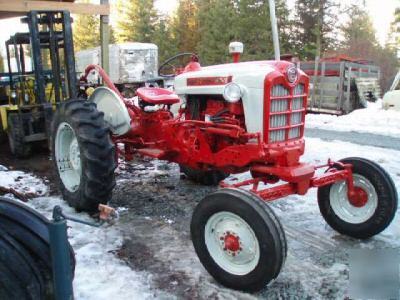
(17, 8)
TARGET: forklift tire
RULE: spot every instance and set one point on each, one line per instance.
(15, 132)
(212, 177)
(370, 214)
(238, 239)
(84, 155)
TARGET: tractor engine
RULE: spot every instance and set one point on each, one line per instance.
(264, 97)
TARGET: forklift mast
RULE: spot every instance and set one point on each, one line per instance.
(52, 24)
(28, 117)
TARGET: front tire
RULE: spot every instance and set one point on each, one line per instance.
(84, 155)
(372, 213)
(15, 133)
(238, 239)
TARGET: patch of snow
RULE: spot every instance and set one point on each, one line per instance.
(22, 182)
(99, 274)
(372, 119)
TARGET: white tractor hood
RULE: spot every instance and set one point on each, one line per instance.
(249, 75)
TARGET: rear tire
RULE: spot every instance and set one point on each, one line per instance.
(15, 132)
(84, 155)
(212, 177)
(238, 239)
(366, 219)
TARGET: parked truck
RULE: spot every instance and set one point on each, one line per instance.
(341, 84)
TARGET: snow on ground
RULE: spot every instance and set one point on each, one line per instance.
(372, 119)
(99, 274)
(22, 182)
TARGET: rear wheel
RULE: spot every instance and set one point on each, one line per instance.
(84, 155)
(238, 239)
(367, 214)
(15, 132)
(212, 177)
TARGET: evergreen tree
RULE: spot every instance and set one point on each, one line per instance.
(136, 21)
(253, 29)
(164, 39)
(86, 32)
(359, 33)
(314, 27)
(217, 27)
(393, 40)
(185, 26)
(360, 41)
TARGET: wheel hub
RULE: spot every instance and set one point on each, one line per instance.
(231, 243)
(68, 157)
(355, 207)
(358, 197)
(75, 155)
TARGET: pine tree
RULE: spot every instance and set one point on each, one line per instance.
(164, 39)
(136, 21)
(359, 33)
(217, 27)
(393, 40)
(314, 27)
(185, 26)
(86, 32)
(360, 41)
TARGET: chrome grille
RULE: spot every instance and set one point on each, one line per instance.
(287, 111)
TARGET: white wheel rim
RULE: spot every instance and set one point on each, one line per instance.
(246, 258)
(68, 157)
(342, 207)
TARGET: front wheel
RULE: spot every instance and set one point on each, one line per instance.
(238, 239)
(84, 155)
(372, 210)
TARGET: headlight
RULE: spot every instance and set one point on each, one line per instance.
(232, 92)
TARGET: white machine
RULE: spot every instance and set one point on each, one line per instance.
(391, 100)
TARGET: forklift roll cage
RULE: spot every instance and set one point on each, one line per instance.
(49, 30)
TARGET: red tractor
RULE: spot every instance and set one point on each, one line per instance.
(221, 120)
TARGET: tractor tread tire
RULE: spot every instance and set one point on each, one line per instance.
(97, 154)
(387, 201)
(209, 178)
(15, 132)
(263, 222)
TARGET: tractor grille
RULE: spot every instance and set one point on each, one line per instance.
(286, 113)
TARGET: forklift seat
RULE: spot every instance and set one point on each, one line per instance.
(154, 96)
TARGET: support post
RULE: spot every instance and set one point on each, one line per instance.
(36, 55)
(274, 27)
(60, 256)
(104, 39)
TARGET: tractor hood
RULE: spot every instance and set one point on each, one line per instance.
(212, 79)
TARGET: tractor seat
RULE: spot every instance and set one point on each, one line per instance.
(156, 96)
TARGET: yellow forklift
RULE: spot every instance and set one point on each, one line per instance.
(34, 95)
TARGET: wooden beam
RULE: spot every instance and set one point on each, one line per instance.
(74, 8)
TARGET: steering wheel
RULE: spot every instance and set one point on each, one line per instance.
(176, 69)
